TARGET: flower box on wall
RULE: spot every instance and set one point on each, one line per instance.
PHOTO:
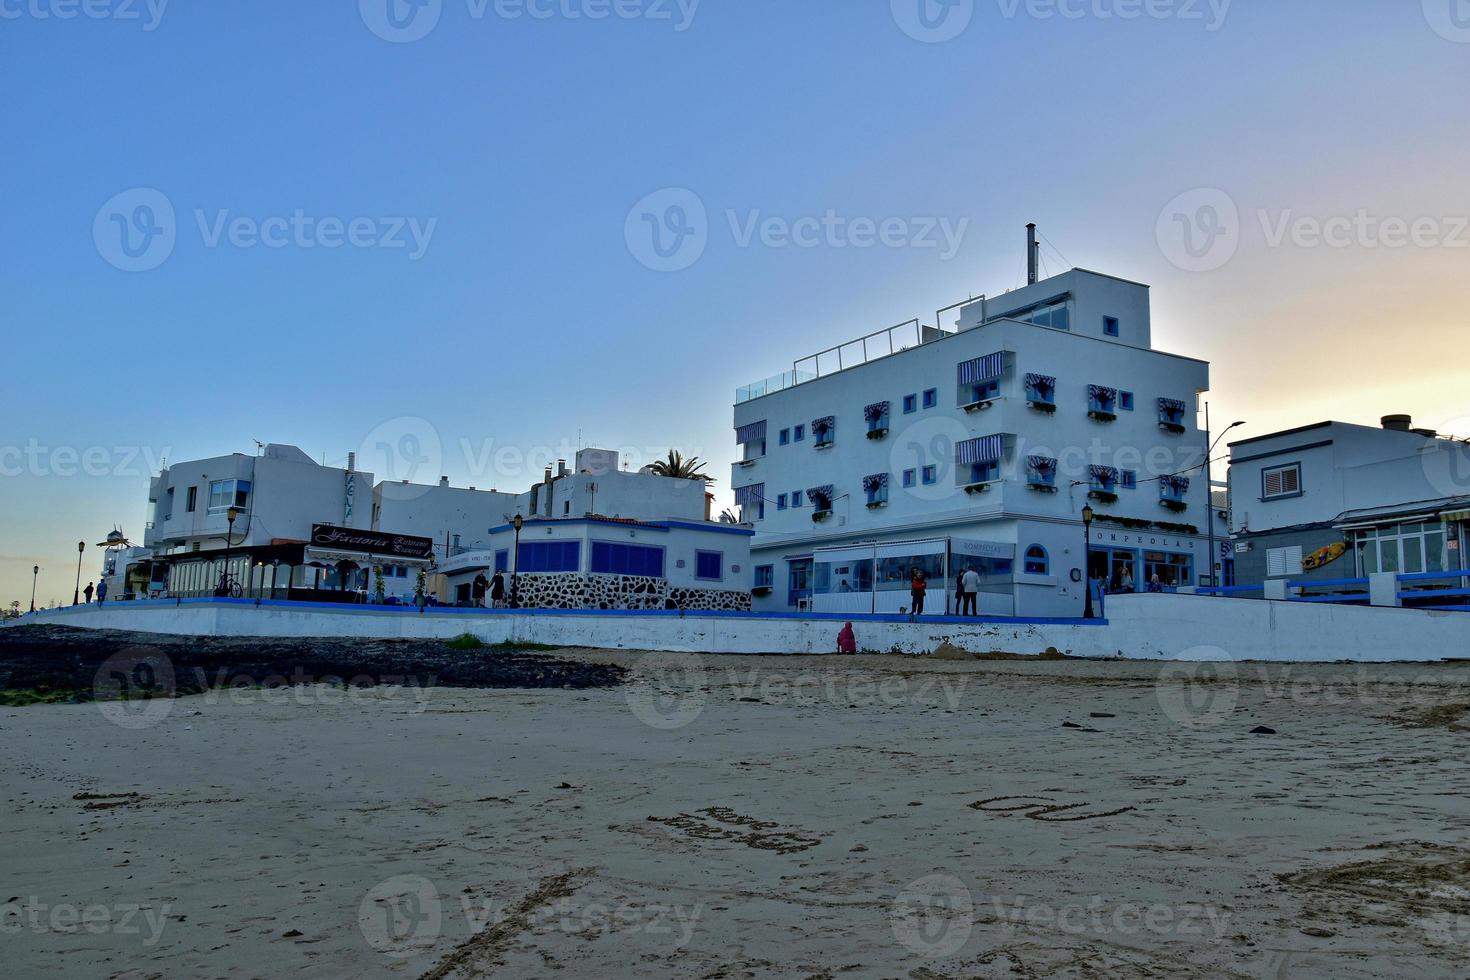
(1046, 407)
(820, 515)
(1043, 487)
(1103, 496)
(979, 406)
(823, 445)
(761, 590)
(977, 488)
(875, 504)
(1175, 427)
(878, 433)
(1175, 505)
(1098, 415)
(749, 462)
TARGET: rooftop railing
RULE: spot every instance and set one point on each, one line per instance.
(864, 350)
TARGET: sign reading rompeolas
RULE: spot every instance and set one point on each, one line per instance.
(371, 542)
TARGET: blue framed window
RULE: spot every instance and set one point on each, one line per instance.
(824, 431)
(1037, 561)
(1125, 400)
(1173, 488)
(502, 560)
(1102, 399)
(1128, 480)
(931, 397)
(985, 472)
(931, 475)
(781, 501)
(549, 556)
(612, 558)
(876, 487)
(765, 576)
(985, 391)
(798, 433)
(1041, 471)
(910, 404)
(909, 477)
(783, 437)
(1281, 481)
(1041, 389)
(709, 565)
(798, 497)
(1110, 326)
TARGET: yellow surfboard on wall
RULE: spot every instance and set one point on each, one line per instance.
(1324, 556)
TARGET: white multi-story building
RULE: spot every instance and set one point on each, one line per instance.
(1335, 500)
(978, 443)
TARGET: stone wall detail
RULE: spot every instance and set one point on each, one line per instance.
(575, 590)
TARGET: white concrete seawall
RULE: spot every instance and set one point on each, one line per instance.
(1144, 627)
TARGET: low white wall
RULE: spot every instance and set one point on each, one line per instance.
(1146, 627)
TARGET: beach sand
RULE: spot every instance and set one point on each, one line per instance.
(754, 817)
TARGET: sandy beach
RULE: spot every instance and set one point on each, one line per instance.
(754, 817)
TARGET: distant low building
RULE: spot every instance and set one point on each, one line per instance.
(1335, 500)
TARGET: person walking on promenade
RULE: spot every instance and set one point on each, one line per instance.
(101, 592)
(88, 593)
(477, 590)
(497, 590)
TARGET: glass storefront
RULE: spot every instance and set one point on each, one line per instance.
(1404, 548)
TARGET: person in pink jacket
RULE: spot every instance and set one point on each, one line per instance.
(846, 640)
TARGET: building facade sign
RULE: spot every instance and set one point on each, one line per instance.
(371, 542)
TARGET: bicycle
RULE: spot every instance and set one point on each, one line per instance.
(228, 587)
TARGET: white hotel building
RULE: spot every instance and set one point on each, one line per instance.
(979, 442)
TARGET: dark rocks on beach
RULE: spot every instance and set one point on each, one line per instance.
(68, 660)
(1263, 730)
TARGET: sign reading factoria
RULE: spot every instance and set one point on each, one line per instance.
(371, 542)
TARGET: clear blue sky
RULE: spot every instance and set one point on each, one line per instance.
(526, 141)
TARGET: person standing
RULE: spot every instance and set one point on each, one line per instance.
(88, 593)
(1125, 582)
(477, 590)
(917, 587)
(971, 580)
(497, 590)
(101, 592)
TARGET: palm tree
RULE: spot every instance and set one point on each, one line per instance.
(728, 516)
(679, 468)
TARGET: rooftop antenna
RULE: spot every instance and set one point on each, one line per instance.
(1033, 252)
(259, 446)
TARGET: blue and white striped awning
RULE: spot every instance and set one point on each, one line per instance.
(875, 411)
(824, 424)
(1102, 392)
(754, 432)
(1106, 475)
(1041, 381)
(1175, 482)
(987, 449)
(820, 495)
(751, 495)
(876, 481)
(987, 368)
(1041, 464)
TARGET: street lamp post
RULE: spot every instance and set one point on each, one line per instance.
(223, 589)
(515, 567)
(35, 571)
(76, 595)
(1087, 515)
(1212, 558)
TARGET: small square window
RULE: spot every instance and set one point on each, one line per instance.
(931, 397)
(709, 565)
(910, 404)
(1125, 400)
(1129, 480)
(784, 437)
(798, 433)
(1110, 326)
(931, 475)
(796, 498)
(781, 502)
(909, 477)
(1281, 481)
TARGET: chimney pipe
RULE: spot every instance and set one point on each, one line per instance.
(351, 462)
(1398, 423)
(1032, 252)
(444, 481)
